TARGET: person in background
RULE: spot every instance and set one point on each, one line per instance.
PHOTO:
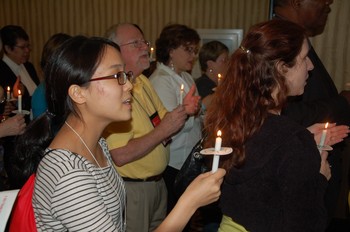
(176, 51)
(9, 126)
(320, 101)
(39, 104)
(17, 73)
(213, 57)
(139, 147)
(15, 66)
(84, 77)
(277, 177)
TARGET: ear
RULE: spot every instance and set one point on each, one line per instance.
(7, 48)
(281, 67)
(210, 64)
(77, 94)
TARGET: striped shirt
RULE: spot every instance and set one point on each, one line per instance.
(72, 194)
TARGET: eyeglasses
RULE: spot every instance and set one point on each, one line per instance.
(28, 46)
(191, 50)
(138, 43)
(121, 76)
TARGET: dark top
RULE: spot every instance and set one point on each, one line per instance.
(320, 101)
(8, 78)
(205, 86)
(279, 188)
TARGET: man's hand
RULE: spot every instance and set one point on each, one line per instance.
(173, 121)
(191, 102)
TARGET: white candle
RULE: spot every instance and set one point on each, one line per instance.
(216, 158)
(151, 54)
(323, 136)
(8, 93)
(219, 79)
(19, 101)
(181, 93)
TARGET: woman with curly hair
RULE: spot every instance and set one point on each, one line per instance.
(276, 176)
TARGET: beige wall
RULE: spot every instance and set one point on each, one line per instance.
(42, 18)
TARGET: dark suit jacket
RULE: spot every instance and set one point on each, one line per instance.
(8, 78)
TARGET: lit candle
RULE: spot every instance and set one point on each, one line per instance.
(151, 54)
(216, 157)
(323, 137)
(8, 93)
(19, 101)
(181, 93)
(219, 79)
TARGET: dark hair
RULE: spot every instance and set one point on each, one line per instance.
(74, 62)
(243, 100)
(9, 35)
(173, 36)
(210, 51)
(51, 45)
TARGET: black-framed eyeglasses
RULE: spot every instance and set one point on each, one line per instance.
(121, 76)
(138, 43)
(191, 50)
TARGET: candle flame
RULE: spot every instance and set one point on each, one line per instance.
(19, 92)
(326, 126)
(219, 75)
(8, 88)
(152, 49)
(182, 87)
(219, 133)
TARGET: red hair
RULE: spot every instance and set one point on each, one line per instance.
(244, 98)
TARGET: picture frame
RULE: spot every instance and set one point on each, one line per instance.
(232, 38)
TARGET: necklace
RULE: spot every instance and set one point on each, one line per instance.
(122, 216)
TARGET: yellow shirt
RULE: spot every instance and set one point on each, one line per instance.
(144, 104)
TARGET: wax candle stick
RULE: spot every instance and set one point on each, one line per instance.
(219, 79)
(151, 54)
(8, 93)
(19, 101)
(181, 94)
(216, 158)
(323, 137)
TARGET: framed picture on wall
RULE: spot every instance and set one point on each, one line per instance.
(232, 38)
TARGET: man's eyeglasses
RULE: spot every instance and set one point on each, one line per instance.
(28, 46)
(138, 43)
(191, 50)
(121, 76)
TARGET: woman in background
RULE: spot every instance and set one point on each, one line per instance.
(39, 104)
(277, 177)
(176, 52)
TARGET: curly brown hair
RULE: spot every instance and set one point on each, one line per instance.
(244, 99)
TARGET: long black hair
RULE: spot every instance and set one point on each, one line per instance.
(74, 62)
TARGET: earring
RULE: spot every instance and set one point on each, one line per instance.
(172, 65)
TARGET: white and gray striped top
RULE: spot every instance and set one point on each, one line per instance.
(72, 194)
